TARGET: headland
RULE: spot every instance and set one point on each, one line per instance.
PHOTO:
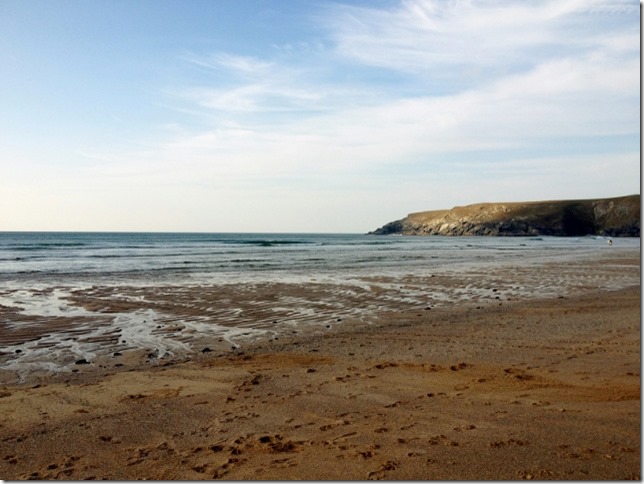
(612, 217)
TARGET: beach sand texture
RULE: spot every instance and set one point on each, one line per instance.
(503, 388)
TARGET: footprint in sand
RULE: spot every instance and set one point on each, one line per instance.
(503, 443)
(11, 459)
(464, 427)
(390, 465)
(367, 454)
(281, 464)
(442, 439)
(338, 423)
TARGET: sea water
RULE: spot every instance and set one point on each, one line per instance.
(158, 257)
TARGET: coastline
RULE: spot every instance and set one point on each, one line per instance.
(524, 389)
(58, 329)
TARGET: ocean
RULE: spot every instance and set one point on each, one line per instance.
(223, 257)
(70, 297)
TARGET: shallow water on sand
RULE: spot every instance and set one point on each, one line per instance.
(72, 299)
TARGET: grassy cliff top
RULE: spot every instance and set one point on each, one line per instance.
(603, 216)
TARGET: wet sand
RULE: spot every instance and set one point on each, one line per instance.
(50, 328)
(503, 388)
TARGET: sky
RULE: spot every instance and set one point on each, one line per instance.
(309, 115)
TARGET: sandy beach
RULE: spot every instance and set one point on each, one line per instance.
(332, 240)
(544, 388)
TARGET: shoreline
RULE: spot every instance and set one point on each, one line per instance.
(537, 389)
(51, 332)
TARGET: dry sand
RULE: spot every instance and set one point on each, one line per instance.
(539, 389)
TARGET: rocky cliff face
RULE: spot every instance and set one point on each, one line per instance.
(614, 217)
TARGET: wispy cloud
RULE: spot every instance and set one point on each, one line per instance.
(244, 65)
(516, 77)
(250, 85)
(503, 62)
(429, 36)
(255, 98)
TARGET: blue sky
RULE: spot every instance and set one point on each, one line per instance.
(309, 116)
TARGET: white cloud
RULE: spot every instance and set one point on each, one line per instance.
(243, 84)
(592, 95)
(242, 65)
(428, 36)
(557, 80)
(254, 98)
(286, 145)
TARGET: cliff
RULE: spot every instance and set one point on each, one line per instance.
(614, 217)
